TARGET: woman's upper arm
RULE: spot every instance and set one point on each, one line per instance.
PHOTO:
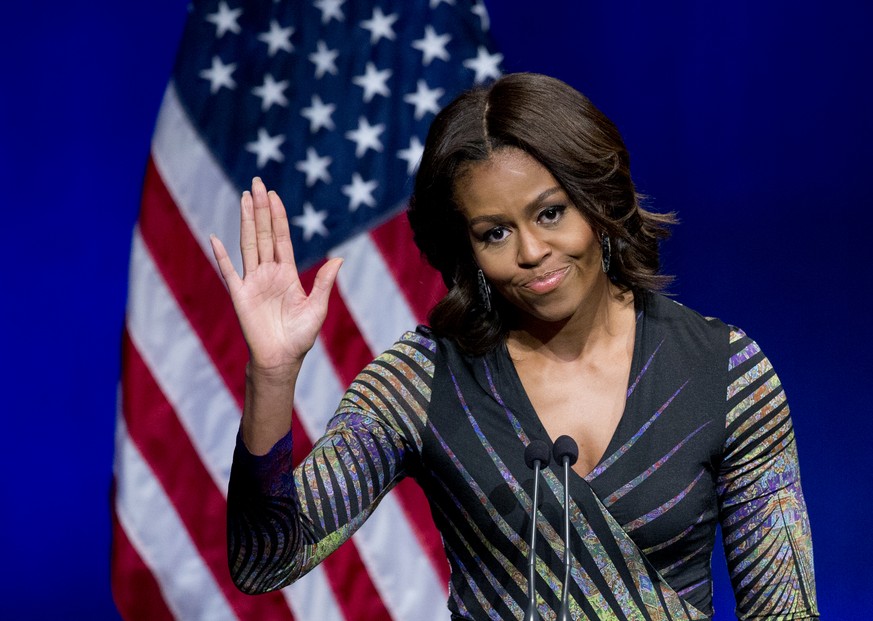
(762, 511)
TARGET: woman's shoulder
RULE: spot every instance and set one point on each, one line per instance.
(674, 315)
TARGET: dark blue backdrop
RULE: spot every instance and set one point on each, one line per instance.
(753, 120)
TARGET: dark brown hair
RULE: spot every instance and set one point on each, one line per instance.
(582, 149)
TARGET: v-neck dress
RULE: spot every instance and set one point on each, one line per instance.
(705, 439)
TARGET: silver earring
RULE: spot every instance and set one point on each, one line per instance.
(606, 250)
(484, 291)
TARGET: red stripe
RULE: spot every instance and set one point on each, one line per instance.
(192, 279)
(421, 284)
(164, 444)
(134, 589)
(349, 354)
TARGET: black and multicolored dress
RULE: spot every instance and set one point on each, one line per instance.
(705, 439)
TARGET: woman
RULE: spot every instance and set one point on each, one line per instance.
(551, 326)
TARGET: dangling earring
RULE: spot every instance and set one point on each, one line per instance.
(484, 291)
(606, 250)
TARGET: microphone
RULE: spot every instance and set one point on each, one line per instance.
(536, 456)
(566, 452)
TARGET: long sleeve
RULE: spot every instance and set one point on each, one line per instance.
(762, 511)
(283, 521)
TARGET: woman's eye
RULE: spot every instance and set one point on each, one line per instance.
(552, 214)
(498, 233)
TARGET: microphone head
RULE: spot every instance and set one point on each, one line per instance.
(565, 446)
(537, 450)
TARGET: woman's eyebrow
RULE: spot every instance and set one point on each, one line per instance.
(528, 209)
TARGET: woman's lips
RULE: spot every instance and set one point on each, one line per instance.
(547, 282)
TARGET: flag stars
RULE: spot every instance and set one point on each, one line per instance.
(373, 82)
(412, 155)
(485, 65)
(219, 75)
(271, 92)
(315, 167)
(360, 192)
(424, 99)
(330, 9)
(311, 221)
(324, 60)
(366, 136)
(432, 45)
(380, 25)
(225, 20)
(319, 114)
(277, 38)
(266, 147)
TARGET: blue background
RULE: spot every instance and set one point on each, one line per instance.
(754, 121)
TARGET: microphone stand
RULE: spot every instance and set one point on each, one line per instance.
(536, 456)
(566, 452)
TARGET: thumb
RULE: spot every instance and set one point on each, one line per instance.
(324, 281)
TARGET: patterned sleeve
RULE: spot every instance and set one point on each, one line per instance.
(763, 515)
(283, 521)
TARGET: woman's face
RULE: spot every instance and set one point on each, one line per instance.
(533, 245)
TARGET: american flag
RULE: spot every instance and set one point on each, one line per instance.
(329, 102)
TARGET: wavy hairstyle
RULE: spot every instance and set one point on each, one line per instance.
(582, 149)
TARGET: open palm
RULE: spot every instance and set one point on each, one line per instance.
(279, 320)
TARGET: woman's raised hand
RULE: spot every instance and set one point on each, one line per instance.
(279, 320)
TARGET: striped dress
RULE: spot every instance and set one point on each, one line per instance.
(705, 439)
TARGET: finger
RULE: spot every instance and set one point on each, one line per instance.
(324, 281)
(225, 265)
(263, 221)
(248, 243)
(281, 231)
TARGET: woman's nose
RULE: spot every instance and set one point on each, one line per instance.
(532, 249)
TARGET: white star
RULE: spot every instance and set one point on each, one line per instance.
(412, 155)
(360, 192)
(277, 38)
(373, 82)
(219, 75)
(424, 99)
(266, 147)
(329, 9)
(366, 137)
(380, 25)
(435, 3)
(319, 114)
(225, 19)
(315, 167)
(311, 222)
(324, 60)
(432, 45)
(480, 10)
(271, 92)
(485, 65)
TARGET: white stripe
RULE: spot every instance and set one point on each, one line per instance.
(180, 365)
(159, 537)
(372, 295)
(206, 198)
(312, 599)
(400, 569)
